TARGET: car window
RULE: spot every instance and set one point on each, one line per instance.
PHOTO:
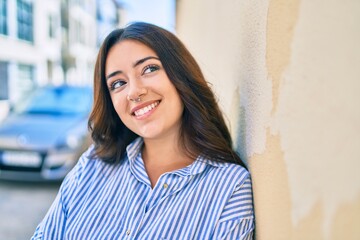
(59, 101)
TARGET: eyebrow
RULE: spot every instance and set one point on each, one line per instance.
(138, 62)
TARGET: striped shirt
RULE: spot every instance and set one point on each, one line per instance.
(205, 200)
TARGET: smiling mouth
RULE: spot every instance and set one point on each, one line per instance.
(146, 109)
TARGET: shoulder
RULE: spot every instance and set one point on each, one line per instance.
(89, 171)
(88, 166)
(239, 203)
(234, 172)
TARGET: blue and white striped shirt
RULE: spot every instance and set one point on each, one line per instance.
(205, 200)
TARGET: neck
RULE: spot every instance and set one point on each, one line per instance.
(163, 151)
(163, 155)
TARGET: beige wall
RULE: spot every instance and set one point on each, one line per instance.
(287, 75)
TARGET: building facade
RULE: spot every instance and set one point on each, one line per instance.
(52, 43)
(30, 40)
(79, 40)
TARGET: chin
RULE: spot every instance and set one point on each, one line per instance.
(148, 134)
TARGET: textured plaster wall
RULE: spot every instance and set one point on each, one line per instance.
(287, 76)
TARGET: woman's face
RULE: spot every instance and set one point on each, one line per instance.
(141, 92)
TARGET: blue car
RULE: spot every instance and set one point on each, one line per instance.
(43, 137)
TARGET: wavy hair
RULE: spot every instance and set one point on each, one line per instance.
(203, 129)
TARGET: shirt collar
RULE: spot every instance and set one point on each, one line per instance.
(134, 148)
(202, 162)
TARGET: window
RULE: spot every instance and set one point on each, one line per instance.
(3, 17)
(77, 32)
(52, 26)
(25, 80)
(25, 20)
(50, 68)
(80, 3)
(80, 35)
(4, 89)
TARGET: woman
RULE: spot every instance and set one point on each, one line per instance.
(162, 164)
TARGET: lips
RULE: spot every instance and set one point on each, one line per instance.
(144, 108)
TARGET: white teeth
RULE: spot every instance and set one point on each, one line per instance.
(146, 109)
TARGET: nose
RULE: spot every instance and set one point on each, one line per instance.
(136, 89)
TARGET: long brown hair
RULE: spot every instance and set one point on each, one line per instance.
(203, 129)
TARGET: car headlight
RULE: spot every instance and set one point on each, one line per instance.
(55, 159)
(73, 141)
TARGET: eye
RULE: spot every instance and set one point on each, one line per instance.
(150, 69)
(117, 84)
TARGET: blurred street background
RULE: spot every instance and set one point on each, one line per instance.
(23, 205)
(51, 43)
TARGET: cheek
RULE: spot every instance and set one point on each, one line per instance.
(180, 106)
(119, 105)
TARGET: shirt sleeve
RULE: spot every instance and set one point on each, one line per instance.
(237, 219)
(54, 223)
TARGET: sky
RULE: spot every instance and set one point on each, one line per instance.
(159, 12)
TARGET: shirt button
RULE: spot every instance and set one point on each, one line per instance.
(128, 232)
(165, 185)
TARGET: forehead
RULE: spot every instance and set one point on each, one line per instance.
(129, 51)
